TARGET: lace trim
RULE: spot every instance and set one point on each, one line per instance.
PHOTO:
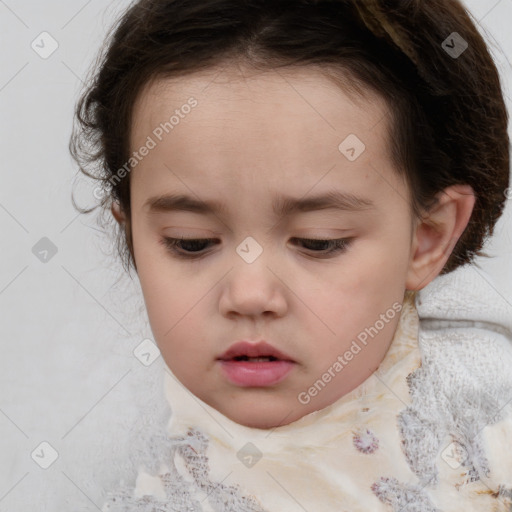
(182, 495)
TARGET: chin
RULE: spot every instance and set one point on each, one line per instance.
(262, 418)
(255, 422)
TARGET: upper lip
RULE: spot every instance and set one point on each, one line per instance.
(244, 348)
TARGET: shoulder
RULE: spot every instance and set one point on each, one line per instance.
(467, 296)
(465, 381)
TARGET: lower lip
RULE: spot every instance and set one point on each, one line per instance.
(264, 373)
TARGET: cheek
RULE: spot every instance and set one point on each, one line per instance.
(174, 305)
(359, 289)
(381, 261)
(176, 320)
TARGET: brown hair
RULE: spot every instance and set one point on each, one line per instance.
(448, 117)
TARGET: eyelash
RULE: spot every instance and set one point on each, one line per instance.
(340, 245)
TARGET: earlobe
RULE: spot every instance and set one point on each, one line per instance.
(437, 234)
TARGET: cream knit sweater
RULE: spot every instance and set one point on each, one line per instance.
(430, 430)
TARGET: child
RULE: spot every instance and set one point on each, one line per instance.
(287, 176)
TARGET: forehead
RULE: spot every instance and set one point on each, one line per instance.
(300, 91)
(274, 129)
(322, 97)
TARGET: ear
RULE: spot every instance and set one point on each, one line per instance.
(121, 218)
(436, 234)
(117, 213)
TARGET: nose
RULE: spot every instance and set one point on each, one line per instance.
(253, 290)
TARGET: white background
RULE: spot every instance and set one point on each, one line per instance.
(68, 375)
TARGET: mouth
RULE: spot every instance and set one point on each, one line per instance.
(255, 359)
(255, 365)
(243, 350)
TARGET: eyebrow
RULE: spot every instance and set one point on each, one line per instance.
(282, 205)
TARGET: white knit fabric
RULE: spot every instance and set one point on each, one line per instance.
(430, 430)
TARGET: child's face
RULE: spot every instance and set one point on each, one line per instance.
(248, 142)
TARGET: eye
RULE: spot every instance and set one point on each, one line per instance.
(194, 247)
(334, 245)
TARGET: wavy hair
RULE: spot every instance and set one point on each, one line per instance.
(448, 118)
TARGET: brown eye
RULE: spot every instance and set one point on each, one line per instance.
(328, 247)
(186, 247)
